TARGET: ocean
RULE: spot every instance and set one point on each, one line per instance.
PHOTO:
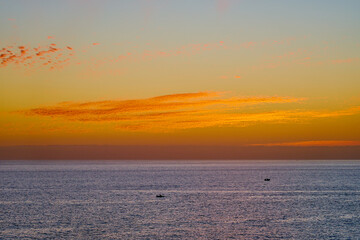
(202, 200)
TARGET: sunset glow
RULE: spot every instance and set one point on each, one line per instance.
(219, 73)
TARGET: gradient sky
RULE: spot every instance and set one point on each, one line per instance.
(162, 72)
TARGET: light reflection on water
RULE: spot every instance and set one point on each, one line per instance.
(203, 199)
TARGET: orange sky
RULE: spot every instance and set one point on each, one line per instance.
(221, 73)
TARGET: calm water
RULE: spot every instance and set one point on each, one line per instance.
(204, 200)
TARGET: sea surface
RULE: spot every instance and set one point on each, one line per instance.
(203, 200)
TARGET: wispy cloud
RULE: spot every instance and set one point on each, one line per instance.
(53, 57)
(49, 56)
(167, 112)
(311, 143)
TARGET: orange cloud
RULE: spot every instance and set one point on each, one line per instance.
(50, 50)
(160, 103)
(48, 55)
(311, 144)
(167, 112)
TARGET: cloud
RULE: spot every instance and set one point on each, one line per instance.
(167, 112)
(48, 55)
(160, 103)
(311, 144)
(143, 53)
(50, 50)
(182, 111)
(53, 57)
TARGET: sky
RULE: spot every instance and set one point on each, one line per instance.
(161, 72)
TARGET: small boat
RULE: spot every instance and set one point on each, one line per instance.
(267, 179)
(160, 196)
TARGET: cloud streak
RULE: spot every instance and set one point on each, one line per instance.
(321, 143)
(167, 112)
(183, 111)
